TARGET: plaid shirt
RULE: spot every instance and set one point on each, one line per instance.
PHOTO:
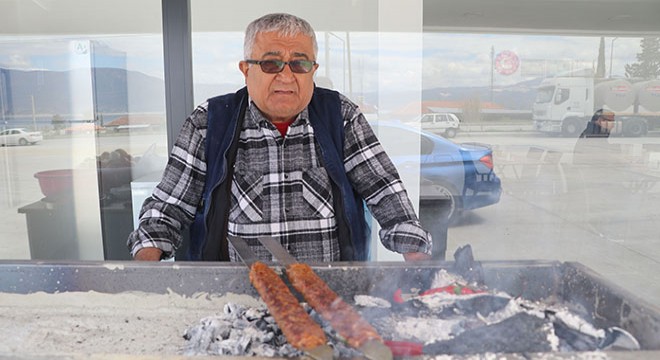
(281, 189)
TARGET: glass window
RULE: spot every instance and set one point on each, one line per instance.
(562, 95)
(544, 95)
(88, 95)
(565, 196)
(427, 119)
(378, 68)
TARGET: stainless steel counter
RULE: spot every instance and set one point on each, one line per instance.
(569, 283)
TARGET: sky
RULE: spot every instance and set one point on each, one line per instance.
(400, 60)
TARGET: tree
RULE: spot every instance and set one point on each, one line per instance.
(600, 68)
(58, 122)
(648, 60)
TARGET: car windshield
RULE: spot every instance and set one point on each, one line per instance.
(544, 94)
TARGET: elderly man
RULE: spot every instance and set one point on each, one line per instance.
(279, 158)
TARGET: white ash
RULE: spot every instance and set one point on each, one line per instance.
(441, 300)
(251, 331)
(130, 323)
(147, 324)
(371, 301)
(426, 330)
(239, 330)
(443, 278)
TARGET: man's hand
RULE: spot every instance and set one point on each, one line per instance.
(149, 254)
(416, 256)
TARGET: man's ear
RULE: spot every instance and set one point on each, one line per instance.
(244, 66)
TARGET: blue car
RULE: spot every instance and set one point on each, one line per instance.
(461, 174)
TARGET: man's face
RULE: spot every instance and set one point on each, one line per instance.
(284, 95)
(607, 120)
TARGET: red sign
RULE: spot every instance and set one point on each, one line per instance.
(653, 89)
(622, 89)
(507, 62)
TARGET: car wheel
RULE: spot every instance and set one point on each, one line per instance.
(452, 207)
(450, 133)
(22, 142)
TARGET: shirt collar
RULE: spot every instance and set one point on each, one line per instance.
(258, 118)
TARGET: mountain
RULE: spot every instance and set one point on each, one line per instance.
(54, 92)
(118, 91)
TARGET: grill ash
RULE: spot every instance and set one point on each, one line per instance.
(444, 323)
(482, 321)
(250, 331)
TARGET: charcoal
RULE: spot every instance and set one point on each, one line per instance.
(375, 313)
(265, 350)
(343, 351)
(463, 325)
(222, 332)
(286, 350)
(240, 324)
(520, 333)
(262, 325)
(234, 309)
(466, 267)
(231, 346)
(254, 314)
(571, 339)
(258, 335)
(473, 305)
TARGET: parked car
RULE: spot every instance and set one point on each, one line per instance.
(461, 173)
(19, 137)
(444, 123)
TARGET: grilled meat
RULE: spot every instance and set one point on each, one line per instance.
(297, 326)
(341, 316)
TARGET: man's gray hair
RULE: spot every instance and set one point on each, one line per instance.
(284, 24)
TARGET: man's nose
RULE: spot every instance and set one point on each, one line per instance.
(286, 74)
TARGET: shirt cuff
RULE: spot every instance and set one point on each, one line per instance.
(407, 237)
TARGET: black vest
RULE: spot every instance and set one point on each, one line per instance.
(208, 232)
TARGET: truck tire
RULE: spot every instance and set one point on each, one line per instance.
(634, 127)
(450, 133)
(572, 127)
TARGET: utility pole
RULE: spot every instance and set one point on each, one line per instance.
(34, 115)
(612, 55)
(492, 70)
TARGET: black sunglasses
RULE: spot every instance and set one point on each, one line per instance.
(276, 66)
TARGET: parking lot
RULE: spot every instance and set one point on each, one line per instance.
(542, 213)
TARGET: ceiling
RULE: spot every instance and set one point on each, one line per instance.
(597, 17)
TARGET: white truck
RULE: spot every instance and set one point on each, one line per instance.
(446, 123)
(564, 105)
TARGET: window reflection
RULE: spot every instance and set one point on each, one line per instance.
(97, 103)
(583, 200)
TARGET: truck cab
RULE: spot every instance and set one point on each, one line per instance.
(562, 105)
(446, 123)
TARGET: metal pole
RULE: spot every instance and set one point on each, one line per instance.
(327, 55)
(177, 47)
(350, 69)
(492, 65)
(611, 55)
(34, 116)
